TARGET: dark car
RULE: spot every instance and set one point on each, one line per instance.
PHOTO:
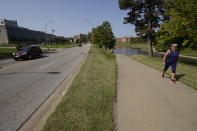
(28, 52)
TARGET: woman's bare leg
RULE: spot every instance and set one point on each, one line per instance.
(173, 76)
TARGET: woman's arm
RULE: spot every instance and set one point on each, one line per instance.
(164, 58)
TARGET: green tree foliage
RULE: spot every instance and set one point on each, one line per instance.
(181, 28)
(18, 46)
(138, 39)
(90, 36)
(103, 36)
(83, 40)
(146, 15)
(59, 40)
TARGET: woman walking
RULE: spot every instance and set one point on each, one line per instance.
(170, 59)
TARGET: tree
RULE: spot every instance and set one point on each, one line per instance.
(181, 28)
(108, 36)
(59, 40)
(90, 36)
(103, 36)
(97, 36)
(146, 15)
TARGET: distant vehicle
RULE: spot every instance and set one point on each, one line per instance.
(28, 52)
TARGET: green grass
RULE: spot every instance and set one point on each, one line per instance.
(59, 45)
(6, 52)
(88, 104)
(45, 46)
(186, 71)
(144, 48)
(189, 52)
(7, 45)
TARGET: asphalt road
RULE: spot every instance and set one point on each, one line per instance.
(25, 85)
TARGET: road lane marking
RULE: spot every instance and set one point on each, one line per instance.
(22, 62)
(47, 65)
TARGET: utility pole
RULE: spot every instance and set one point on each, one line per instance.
(53, 30)
(46, 35)
(92, 28)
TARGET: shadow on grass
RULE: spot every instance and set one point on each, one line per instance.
(188, 61)
(179, 76)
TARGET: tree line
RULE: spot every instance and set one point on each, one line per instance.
(163, 22)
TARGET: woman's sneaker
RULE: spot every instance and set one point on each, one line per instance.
(173, 81)
(162, 75)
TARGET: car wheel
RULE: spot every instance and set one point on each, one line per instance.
(30, 57)
(16, 59)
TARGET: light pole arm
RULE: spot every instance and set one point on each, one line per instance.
(92, 28)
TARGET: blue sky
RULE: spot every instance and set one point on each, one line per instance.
(68, 16)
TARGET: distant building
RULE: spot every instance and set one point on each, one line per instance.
(10, 32)
(80, 37)
(124, 40)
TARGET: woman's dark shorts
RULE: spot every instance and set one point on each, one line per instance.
(172, 64)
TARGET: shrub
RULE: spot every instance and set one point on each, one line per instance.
(18, 46)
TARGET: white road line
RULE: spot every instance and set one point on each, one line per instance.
(47, 65)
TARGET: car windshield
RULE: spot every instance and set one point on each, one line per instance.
(25, 49)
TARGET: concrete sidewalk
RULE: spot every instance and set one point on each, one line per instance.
(147, 102)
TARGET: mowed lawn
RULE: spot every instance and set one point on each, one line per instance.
(186, 71)
(88, 104)
(59, 45)
(141, 46)
(189, 52)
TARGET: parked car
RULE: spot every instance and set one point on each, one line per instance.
(28, 52)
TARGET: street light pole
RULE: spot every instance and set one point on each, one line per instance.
(92, 28)
(53, 30)
(49, 22)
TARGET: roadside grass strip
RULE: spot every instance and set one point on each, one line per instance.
(186, 72)
(89, 101)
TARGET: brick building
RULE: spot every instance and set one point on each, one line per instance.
(124, 40)
(80, 37)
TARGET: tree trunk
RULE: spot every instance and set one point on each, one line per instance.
(150, 46)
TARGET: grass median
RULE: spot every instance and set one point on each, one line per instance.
(88, 104)
(186, 71)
